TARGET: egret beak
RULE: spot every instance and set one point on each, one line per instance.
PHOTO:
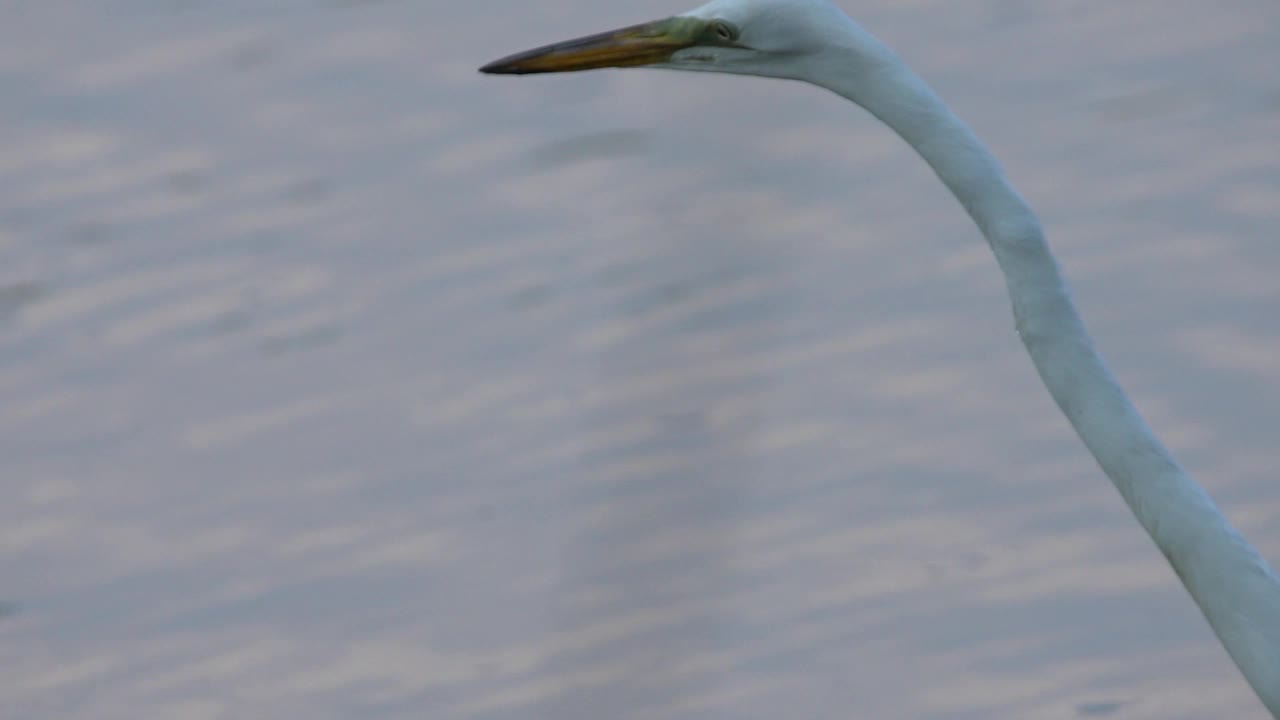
(645, 44)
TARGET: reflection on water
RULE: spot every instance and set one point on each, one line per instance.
(337, 380)
(589, 146)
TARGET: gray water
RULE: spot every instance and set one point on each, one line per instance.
(340, 381)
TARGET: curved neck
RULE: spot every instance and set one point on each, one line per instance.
(1233, 586)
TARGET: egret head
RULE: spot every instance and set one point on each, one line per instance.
(773, 38)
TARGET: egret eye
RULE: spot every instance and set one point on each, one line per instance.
(724, 30)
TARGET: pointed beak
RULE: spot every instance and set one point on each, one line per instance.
(633, 46)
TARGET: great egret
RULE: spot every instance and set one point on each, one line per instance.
(814, 41)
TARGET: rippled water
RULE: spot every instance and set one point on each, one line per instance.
(337, 380)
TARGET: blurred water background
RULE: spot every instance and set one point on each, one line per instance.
(337, 380)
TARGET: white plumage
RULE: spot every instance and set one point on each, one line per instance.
(814, 41)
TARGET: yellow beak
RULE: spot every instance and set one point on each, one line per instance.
(628, 47)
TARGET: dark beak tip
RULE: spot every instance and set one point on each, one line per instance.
(506, 66)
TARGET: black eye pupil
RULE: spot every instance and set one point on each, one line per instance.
(723, 31)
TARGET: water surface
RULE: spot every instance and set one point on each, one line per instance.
(337, 380)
